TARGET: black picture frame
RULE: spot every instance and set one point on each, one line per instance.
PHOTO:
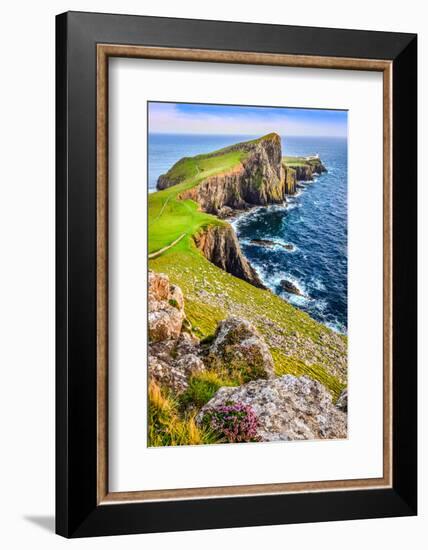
(77, 511)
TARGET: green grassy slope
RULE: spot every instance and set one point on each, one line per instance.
(299, 344)
(292, 162)
(170, 217)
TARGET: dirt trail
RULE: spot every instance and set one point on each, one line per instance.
(165, 248)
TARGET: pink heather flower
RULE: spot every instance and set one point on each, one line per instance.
(235, 421)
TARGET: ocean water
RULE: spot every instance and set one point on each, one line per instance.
(314, 222)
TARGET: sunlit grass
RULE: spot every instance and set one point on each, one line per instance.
(167, 428)
(203, 386)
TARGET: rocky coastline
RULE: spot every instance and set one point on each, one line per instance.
(264, 177)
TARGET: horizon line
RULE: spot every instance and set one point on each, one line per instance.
(245, 135)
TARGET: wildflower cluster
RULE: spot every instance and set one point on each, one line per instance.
(236, 422)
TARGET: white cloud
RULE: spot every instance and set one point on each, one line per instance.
(166, 118)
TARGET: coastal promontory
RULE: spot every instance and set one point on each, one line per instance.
(251, 173)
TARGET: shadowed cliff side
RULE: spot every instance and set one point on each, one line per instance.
(219, 245)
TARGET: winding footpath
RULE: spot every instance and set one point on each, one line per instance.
(165, 248)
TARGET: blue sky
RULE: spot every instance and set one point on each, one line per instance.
(193, 118)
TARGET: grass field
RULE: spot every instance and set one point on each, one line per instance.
(298, 161)
(170, 217)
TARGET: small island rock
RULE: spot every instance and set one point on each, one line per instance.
(290, 287)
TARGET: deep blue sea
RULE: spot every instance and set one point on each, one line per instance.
(314, 221)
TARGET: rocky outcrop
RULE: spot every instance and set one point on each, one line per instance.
(174, 354)
(270, 244)
(290, 287)
(287, 408)
(219, 245)
(172, 362)
(238, 347)
(166, 308)
(259, 179)
(264, 407)
(305, 171)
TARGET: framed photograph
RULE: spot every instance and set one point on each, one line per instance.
(236, 274)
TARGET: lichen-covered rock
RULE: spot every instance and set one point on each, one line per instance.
(287, 408)
(342, 402)
(166, 308)
(172, 362)
(238, 347)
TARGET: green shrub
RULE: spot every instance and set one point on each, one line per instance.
(202, 387)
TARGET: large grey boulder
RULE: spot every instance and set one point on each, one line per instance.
(287, 408)
(238, 346)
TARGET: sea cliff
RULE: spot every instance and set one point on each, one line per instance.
(219, 245)
(261, 176)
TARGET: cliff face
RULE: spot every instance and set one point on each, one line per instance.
(290, 180)
(259, 179)
(306, 171)
(219, 245)
(262, 176)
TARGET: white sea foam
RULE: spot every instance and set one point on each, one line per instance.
(337, 327)
(293, 205)
(320, 305)
(317, 284)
